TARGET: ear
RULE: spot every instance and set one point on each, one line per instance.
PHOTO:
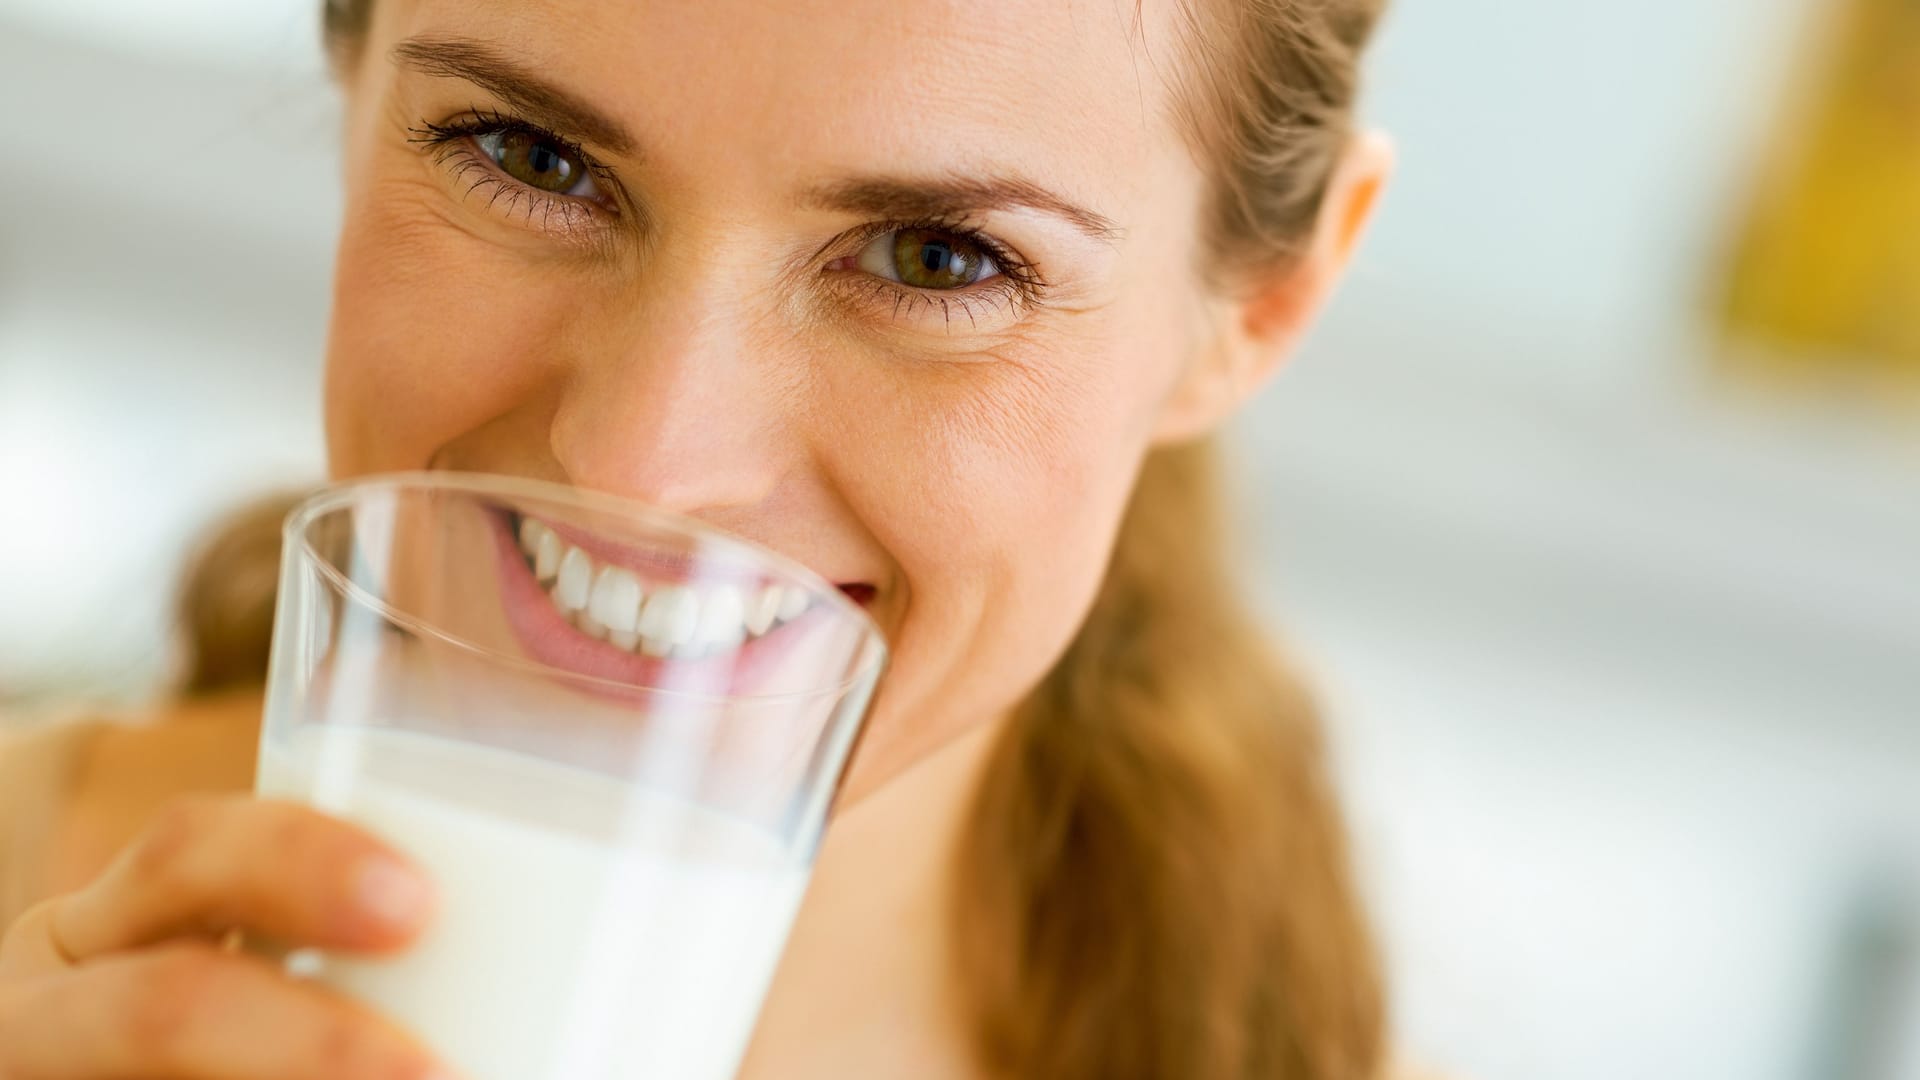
(1249, 334)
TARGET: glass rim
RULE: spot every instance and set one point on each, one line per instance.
(344, 494)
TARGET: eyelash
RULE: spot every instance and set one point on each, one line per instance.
(450, 144)
(1018, 284)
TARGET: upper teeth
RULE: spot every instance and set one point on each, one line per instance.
(657, 618)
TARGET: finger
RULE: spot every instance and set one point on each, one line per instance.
(190, 1012)
(28, 948)
(276, 869)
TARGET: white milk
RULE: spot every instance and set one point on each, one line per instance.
(584, 932)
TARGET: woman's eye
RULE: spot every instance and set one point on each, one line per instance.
(926, 259)
(540, 162)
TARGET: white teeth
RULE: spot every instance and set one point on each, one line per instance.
(546, 557)
(792, 603)
(615, 603)
(722, 618)
(543, 546)
(670, 615)
(575, 581)
(621, 607)
(764, 609)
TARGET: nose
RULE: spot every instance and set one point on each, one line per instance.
(675, 406)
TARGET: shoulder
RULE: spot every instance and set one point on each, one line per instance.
(38, 766)
(73, 793)
(36, 756)
(130, 770)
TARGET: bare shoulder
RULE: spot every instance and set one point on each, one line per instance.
(37, 766)
(98, 790)
(36, 759)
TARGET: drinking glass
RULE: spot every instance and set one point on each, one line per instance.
(610, 734)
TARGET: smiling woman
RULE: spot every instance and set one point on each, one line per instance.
(943, 304)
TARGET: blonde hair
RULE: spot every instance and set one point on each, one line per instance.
(1162, 885)
(224, 609)
(1156, 865)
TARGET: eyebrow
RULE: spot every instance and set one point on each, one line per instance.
(540, 101)
(544, 103)
(902, 198)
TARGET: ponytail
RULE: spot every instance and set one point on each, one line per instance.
(1158, 883)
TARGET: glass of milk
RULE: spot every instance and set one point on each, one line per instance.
(611, 734)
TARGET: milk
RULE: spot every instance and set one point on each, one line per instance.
(585, 932)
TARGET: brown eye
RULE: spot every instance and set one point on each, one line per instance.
(538, 161)
(927, 259)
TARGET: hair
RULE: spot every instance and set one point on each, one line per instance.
(1156, 875)
(224, 609)
(1162, 883)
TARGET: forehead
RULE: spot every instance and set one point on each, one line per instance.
(1066, 92)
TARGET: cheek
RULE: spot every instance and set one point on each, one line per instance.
(1015, 457)
(997, 495)
(433, 332)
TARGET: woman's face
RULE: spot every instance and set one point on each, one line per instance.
(900, 291)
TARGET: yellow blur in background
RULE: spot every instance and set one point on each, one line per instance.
(1826, 278)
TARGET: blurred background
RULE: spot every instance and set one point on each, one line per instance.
(1593, 508)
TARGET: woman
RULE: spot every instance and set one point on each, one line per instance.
(943, 303)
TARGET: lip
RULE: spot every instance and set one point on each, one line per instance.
(551, 640)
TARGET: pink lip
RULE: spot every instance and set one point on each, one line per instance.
(550, 639)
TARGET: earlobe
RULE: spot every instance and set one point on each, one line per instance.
(1208, 390)
(1249, 336)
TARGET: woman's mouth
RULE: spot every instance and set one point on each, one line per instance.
(655, 610)
(657, 614)
(661, 617)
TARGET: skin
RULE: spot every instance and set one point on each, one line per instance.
(709, 337)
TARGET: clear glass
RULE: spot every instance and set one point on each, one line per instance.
(611, 734)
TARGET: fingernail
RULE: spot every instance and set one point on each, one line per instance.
(392, 892)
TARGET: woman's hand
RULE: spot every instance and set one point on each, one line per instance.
(127, 977)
